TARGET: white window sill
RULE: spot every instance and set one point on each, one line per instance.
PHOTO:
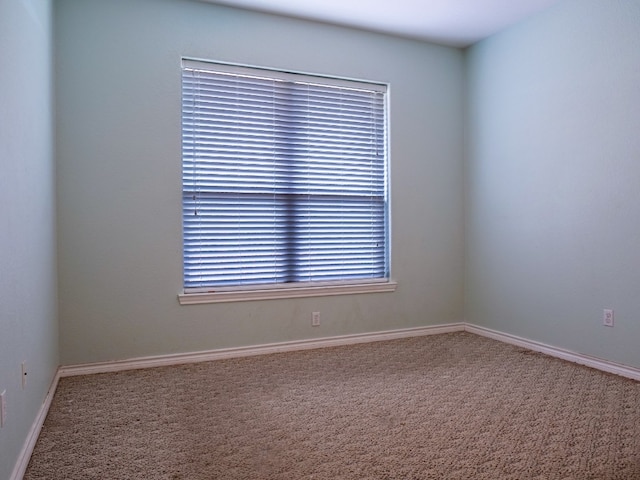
(277, 293)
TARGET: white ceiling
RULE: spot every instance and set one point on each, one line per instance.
(451, 22)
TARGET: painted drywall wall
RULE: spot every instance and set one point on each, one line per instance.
(119, 167)
(28, 323)
(553, 176)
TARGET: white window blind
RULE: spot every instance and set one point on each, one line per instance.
(284, 178)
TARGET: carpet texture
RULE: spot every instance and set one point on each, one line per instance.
(453, 406)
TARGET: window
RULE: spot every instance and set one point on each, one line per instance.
(284, 180)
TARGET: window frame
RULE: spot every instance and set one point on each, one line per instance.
(261, 291)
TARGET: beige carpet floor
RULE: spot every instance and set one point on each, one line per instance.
(454, 406)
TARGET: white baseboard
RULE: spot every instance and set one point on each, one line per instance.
(27, 449)
(593, 362)
(236, 352)
(166, 360)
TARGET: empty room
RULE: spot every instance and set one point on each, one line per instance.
(329, 240)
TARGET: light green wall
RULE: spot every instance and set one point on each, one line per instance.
(28, 324)
(118, 153)
(553, 179)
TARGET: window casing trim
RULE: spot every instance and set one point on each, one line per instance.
(282, 291)
(303, 289)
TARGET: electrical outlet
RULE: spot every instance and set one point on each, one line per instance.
(3, 408)
(607, 317)
(24, 375)
(315, 319)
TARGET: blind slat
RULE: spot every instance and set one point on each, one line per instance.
(284, 177)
